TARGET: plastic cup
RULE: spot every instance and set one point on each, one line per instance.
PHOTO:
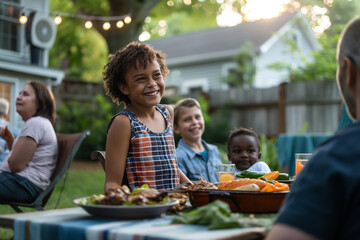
(301, 159)
(226, 172)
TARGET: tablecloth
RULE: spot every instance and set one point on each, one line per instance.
(76, 224)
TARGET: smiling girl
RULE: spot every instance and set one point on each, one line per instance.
(140, 146)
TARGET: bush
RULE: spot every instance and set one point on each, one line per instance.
(269, 152)
(75, 116)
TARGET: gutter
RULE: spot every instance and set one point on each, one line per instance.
(55, 75)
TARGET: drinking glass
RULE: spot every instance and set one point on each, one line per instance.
(226, 172)
(301, 160)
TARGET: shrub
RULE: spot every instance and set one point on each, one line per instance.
(75, 116)
(269, 152)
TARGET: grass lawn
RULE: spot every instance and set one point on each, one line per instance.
(79, 183)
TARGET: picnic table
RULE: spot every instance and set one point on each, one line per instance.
(76, 223)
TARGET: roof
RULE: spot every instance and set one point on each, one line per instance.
(55, 75)
(219, 41)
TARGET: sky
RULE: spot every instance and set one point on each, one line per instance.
(263, 9)
(254, 10)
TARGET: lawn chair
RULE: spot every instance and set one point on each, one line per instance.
(98, 155)
(68, 145)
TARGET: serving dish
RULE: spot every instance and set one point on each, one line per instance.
(240, 201)
(125, 212)
(290, 182)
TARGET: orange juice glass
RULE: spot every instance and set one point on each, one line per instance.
(300, 161)
(226, 172)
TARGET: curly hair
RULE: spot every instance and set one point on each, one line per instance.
(242, 131)
(132, 55)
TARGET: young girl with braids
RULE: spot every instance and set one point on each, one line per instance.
(140, 145)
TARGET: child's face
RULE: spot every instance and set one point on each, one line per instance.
(144, 86)
(244, 151)
(190, 124)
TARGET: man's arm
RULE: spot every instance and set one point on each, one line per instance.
(286, 232)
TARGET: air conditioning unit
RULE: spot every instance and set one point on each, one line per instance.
(41, 31)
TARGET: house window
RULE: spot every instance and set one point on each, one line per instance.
(295, 39)
(195, 92)
(227, 68)
(194, 87)
(9, 25)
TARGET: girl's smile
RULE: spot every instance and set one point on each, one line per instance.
(144, 86)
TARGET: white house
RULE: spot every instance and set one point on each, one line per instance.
(199, 61)
(24, 49)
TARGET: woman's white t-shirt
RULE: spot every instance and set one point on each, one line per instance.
(43, 161)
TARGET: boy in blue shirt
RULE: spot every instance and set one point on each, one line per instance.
(195, 157)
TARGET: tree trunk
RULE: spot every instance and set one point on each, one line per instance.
(138, 10)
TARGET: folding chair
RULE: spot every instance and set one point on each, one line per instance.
(99, 156)
(68, 145)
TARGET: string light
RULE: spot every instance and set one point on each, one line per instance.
(57, 20)
(106, 26)
(127, 19)
(88, 24)
(119, 24)
(88, 19)
(23, 19)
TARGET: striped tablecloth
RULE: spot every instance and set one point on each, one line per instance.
(75, 223)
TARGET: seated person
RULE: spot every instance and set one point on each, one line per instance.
(244, 151)
(195, 157)
(326, 205)
(4, 110)
(26, 172)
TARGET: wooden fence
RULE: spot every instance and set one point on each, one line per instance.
(289, 108)
(284, 109)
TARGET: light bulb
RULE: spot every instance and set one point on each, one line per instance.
(119, 24)
(88, 24)
(57, 20)
(127, 20)
(106, 26)
(23, 19)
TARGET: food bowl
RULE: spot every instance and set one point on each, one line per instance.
(125, 211)
(240, 201)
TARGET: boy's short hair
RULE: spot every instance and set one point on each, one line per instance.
(132, 55)
(242, 131)
(186, 102)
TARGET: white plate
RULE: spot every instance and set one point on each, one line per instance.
(125, 212)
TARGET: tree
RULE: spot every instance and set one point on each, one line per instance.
(74, 44)
(178, 17)
(323, 66)
(244, 72)
(117, 38)
(83, 53)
